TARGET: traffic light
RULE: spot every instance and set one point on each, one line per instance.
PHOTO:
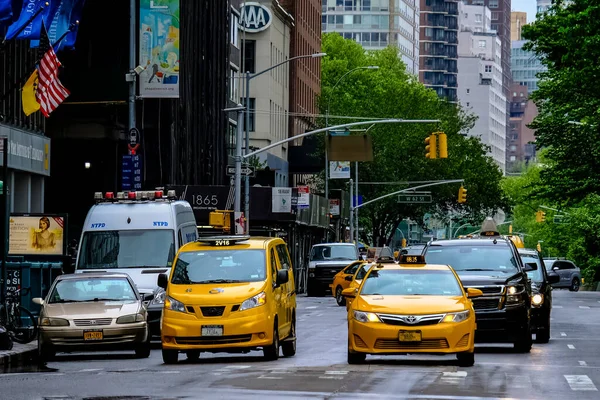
(443, 144)
(540, 216)
(462, 195)
(539, 247)
(1, 187)
(430, 146)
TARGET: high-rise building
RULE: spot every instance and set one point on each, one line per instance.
(438, 63)
(376, 24)
(480, 79)
(518, 19)
(521, 146)
(525, 66)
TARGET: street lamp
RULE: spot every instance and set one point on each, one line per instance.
(239, 131)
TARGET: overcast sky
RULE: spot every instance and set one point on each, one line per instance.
(529, 6)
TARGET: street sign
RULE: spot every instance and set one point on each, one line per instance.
(246, 171)
(414, 198)
(559, 219)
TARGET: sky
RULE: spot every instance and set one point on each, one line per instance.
(529, 6)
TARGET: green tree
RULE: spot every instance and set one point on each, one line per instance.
(399, 149)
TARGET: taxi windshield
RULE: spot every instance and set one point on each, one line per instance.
(537, 274)
(220, 266)
(393, 282)
(473, 258)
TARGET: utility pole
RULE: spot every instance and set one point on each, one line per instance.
(352, 212)
(132, 75)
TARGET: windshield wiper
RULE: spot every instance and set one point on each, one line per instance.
(67, 301)
(219, 281)
(144, 266)
(101, 299)
(476, 269)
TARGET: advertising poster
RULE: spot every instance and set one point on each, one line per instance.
(339, 170)
(159, 48)
(303, 196)
(282, 200)
(334, 206)
(36, 235)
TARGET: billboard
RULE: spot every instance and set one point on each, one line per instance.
(36, 235)
(159, 48)
(339, 170)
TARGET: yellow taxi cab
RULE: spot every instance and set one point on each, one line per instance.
(341, 281)
(229, 294)
(359, 275)
(411, 307)
(517, 241)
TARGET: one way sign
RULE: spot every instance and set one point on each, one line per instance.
(246, 171)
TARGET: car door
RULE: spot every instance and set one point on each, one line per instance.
(289, 289)
(279, 295)
(561, 269)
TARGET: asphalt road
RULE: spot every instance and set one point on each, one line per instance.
(567, 367)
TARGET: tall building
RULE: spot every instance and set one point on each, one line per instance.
(521, 147)
(480, 79)
(518, 19)
(376, 24)
(525, 66)
(438, 63)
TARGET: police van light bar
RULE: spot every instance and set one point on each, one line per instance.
(133, 195)
(171, 194)
(98, 196)
(110, 195)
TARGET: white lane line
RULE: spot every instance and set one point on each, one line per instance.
(269, 377)
(238, 366)
(169, 372)
(580, 382)
(336, 372)
(571, 346)
(563, 334)
(331, 377)
(318, 315)
(311, 307)
(91, 369)
(557, 306)
(584, 306)
(457, 374)
(10, 374)
(583, 363)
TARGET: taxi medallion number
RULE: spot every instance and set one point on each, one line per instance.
(222, 242)
(409, 336)
(212, 330)
(93, 335)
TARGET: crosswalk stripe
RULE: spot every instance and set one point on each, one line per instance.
(580, 382)
(571, 346)
(584, 306)
(563, 334)
(582, 363)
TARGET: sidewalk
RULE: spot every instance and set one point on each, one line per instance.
(21, 354)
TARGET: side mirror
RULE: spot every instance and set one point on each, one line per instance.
(349, 293)
(282, 277)
(348, 278)
(38, 300)
(472, 293)
(531, 266)
(553, 277)
(163, 281)
(147, 296)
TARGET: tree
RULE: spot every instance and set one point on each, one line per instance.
(399, 149)
(566, 40)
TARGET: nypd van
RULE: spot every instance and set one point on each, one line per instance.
(137, 233)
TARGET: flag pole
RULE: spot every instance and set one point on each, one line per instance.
(30, 20)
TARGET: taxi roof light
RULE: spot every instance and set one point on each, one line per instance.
(412, 259)
(489, 228)
(171, 194)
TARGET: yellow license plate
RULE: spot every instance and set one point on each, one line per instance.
(93, 335)
(409, 336)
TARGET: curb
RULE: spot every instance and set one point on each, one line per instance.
(26, 354)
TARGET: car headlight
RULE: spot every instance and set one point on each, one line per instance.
(130, 319)
(254, 301)
(537, 299)
(54, 322)
(159, 296)
(457, 316)
(514, 294)
(363, 316)
(175, 305)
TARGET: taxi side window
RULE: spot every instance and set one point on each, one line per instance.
(284, 257)
(362, 272)
(352, 269)
(273, 265)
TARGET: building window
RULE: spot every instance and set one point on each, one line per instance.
(468, 91)
(488, 68)
(495, 15)
(478, 18)
(493, 4)
(468, 104)
(235, 36)
(233, 85)
(231, 138)
(250, 56)
(252, 114)
(520, 94)
(482, 44)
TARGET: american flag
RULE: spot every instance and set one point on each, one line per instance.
(50, 91)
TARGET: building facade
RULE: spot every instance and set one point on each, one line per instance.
(376, 24)
(521, 140)
(438, 37)
(518, 19)
(480, 81)
(525, 66)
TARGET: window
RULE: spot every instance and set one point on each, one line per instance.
(284, 256)
(468, 91)
(482, 44)
(468, 104)
(478, 18)
(233, 85)
(234, 35)
(488, 68)
(250, 56)
(92, 289)
(493, 4)
(250, 128)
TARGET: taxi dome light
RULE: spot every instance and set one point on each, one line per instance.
(110, 195)
(489, 228)
(98, 196)
(131, 195)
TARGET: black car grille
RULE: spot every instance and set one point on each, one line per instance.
(327, 271)
(486, 304)
(490, 290)
(212, 311)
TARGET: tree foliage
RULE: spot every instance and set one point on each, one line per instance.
(399, 149)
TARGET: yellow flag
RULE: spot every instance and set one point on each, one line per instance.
(30, 103)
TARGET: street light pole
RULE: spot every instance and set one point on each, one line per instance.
(132, 62)
(352, 213)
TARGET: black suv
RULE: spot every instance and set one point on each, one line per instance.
(491, 264)
(541, 294)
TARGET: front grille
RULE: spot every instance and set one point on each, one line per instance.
(464, 341)
(327, 271)
(207, 340)
(93, 322)
(426, 344)
(490, 290)
(411, 320)
(486, 304)
(212, 311)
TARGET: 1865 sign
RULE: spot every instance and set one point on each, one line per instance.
(255, 17)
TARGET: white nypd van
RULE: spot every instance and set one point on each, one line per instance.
(137, 233)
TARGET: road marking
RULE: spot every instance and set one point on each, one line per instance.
(457, 374)
(311, 307)
(336, 372)
(91, 369)
(580, 382)
(571, 346)
(584, 306)
(238, 366)
(269, 377)
(169, 372)
(330, 377)
(583, 363)
(563, 334)
(557, 306)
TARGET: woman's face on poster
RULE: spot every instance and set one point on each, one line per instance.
(43, 225)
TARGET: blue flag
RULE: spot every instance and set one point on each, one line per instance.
(69, 42)
(5, 10)
(25, 27)
(57, 21)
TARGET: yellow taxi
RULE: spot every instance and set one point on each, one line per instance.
(411, 307)
(342, 280)
(229, 294)
(358, 277)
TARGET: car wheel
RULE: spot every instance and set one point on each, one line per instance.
(170, 356)
(341, 300)
(356, 358)
(143, 350)
(271, 353)
(192, 355)
(311, 291)
(466, 359)
(574, 285)
(45, 352)
(288, 347)
(543, 335)
(523, 345)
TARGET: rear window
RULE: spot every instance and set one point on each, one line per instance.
(473, 258)
(534, 275)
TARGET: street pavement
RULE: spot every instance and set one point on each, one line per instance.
(567, 367)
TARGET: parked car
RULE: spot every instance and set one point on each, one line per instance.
(569, 273)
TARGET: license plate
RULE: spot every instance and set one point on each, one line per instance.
(212, 330)
(93, 335)
(409, 336)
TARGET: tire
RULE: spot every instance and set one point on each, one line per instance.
(311, 291)
(23, 332)
(523, 345)
(192, 355)
(465, 359)
(574, 285)
(341, 300)
(144, 349)
(271, 352)
(356, 358)
(288, 348)
(543, 333)
(170, 356)
(45, 352)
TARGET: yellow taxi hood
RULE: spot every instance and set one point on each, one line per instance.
(212, 293)
(414, 305)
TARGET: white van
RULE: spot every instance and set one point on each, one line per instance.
(137, 233)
